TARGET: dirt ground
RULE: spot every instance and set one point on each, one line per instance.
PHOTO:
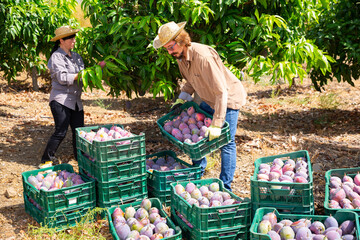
(294, 119)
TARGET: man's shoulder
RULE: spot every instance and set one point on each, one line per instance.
(202, 51)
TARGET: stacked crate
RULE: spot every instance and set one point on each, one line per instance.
(59, 208)
(158, 182)
(221, 222)
(292, 197)
(118, 166)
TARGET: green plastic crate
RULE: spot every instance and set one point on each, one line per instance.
(340, 216)
(205, 219)
(111, 150)
(155, 203)
(351, 172)
(112, 170)
(60, 219)
(117, 202)
(62, 198)
(296, 195)
(121, 191)
(238, 232)
(160, 180)
(200, 149)
(286, 209)
(163, 196)
(111, 198)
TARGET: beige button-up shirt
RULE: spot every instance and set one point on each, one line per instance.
(215, 84)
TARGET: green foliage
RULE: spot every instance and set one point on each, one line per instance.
(262, 37)
(337, 33)
(121, 35)
(276, 46)
(283, 39)
(26, 28)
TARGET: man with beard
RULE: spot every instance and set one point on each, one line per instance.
(220, 90)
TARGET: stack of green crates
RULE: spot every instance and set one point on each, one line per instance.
(60, 208)
(222, 222)
(296, 198)
(340, 216)
(195, 151)
(119, 169)
(158, 182)
(341, 172)
(154, 203)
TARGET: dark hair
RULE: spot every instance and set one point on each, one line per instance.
(57, 43)
(56, 46)
(69, 37)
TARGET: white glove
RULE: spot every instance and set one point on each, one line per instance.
(213, 132)
(185, 96)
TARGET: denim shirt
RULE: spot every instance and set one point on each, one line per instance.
(63, 70)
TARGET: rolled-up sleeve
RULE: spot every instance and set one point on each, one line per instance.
(188, 88)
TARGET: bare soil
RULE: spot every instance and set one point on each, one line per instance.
(295, 119)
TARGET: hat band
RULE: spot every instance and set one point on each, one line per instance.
(69, 37)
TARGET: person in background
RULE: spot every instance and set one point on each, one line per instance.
(221, 92)
(65, 96)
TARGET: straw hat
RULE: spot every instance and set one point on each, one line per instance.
(167, 32)
(64, 31)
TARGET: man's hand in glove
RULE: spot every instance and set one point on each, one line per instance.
(176, 106)
(213, 132)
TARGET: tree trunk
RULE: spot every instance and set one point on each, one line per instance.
(34, 77)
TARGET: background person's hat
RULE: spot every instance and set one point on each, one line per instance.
(64, 31)
(167, 32)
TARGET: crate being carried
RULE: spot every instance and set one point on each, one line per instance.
(196, 120)
(269, 224)
(164, 168)
(216, 208)
(121, 221)
(285, 182)
(342, 190)
(96, 142)
(57, 196)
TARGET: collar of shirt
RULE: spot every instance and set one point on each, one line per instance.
(63, 52)
(188, 58)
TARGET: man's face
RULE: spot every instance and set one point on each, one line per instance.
(174, 49)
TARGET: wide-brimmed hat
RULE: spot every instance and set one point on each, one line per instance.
(64, 31)
(167, 32)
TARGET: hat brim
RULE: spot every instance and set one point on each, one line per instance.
(157, 43)
(54, 39)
